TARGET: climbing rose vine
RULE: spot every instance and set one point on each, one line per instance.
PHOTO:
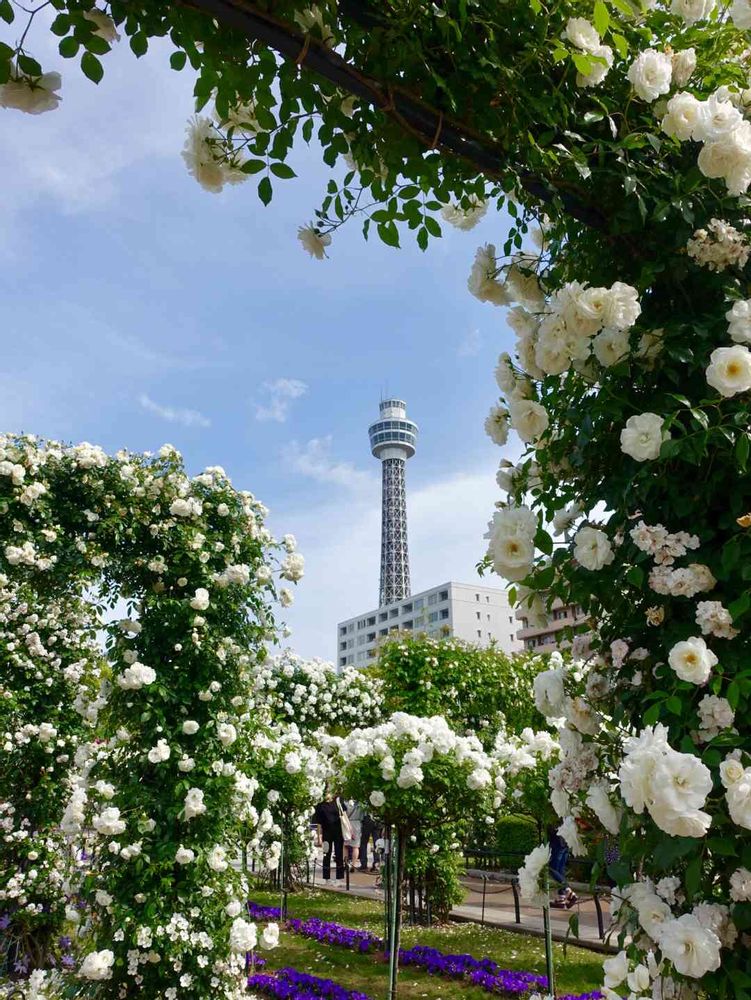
(157, 800)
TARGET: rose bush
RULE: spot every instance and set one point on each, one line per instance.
(157, 799)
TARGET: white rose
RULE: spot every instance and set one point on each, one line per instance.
(528, 419)
(684, 64)
(216, 859)
(184, 855)
(692, 10)
(642, 437)
(582, 34)
(97, 965)
(692, 660)
(200, 600)
(496, 425)
(731, 771)
(651, 73)
(190, 727)
(601, 65)
(592, 548)
(270, 936)
(740, 13)
(739, 321)
(32, 96)
(242, 936)
(105, 26)
(730, 158)
(377, 799)
(729, 370)
(693, 950)
(682, 116)
(610, 347)
(717, 118)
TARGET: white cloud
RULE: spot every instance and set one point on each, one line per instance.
(280, 395)
(341, 544)
(470, 344)
(314, 460)
(188, 418)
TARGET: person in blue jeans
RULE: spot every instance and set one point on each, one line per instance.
(558, 863)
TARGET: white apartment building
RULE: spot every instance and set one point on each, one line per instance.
(465, 610)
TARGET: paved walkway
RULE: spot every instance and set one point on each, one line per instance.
(497, 909)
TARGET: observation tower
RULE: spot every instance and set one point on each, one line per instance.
(393, 440)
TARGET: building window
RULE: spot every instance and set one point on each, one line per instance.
(408, 624)
(371, 636)
(488, 617)
(407, 608)
(394, 613)
(525, 623)
(362, 623)
(477, 597)
(342, 661)
(371, 620)
(371, 653)
(511, 637)
(383, 631)
(433, 616)
(487, 598)
(479, 633)
(342, 645)
(510, 620)
(350, 643)
(350, 628)
(443, 596)
(383, 616)
(432, 598)
(478, 615)
(342, 630)
(444, 613)
(419, 603)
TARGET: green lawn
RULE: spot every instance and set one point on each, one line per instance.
(578, 972)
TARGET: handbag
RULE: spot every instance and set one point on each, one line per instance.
(344, 820)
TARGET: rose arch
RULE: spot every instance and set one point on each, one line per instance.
(151, 800)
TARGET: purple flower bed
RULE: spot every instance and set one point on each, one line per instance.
(289, 984)
(482, 972)
(331, 933)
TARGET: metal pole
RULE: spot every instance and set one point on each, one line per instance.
(386, 870)
(548, 938)
(484, 890)
(397, 860)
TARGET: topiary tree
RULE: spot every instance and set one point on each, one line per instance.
(158, 797)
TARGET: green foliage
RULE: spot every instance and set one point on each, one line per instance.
(475, 689)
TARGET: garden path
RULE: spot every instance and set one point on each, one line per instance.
(499, 909)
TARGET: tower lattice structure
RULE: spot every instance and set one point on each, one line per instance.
(392, 440)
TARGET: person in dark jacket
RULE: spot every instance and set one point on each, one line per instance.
(327, 817)
(370, 830)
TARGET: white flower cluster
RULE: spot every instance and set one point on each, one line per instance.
(683, 581)
(511, 546)
(405, 747)
(721, 128)
(737, 781)
(313, 695)
(671, 786)
(585, 37)
(719, 246)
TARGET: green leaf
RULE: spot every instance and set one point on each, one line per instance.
(91, 67)
(741, 451)
(6, 52)
(583, 63)
(7, 13)
(389, 234)
(692, 878)
(432, 226)
(422, 238)
(282, 170)
(28, 65)
(635, 576)
(69, 47)
(672, 848)
(544, 542)
(265, 191)
(253, 166)
(601, 17)
(61, 25)
(620, 43)
(733, 694)
(674, 704)
(139, 43)
(177, 60)
(99, 46)
(624, 7)
(721, 847)
(739, 607)
(651, 715)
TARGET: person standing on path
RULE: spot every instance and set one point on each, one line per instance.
(370, 831)
(327, 817)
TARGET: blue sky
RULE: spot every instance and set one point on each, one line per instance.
(137, 308)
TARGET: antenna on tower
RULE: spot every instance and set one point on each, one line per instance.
(393, 439)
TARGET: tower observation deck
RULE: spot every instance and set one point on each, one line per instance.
(393, 440)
